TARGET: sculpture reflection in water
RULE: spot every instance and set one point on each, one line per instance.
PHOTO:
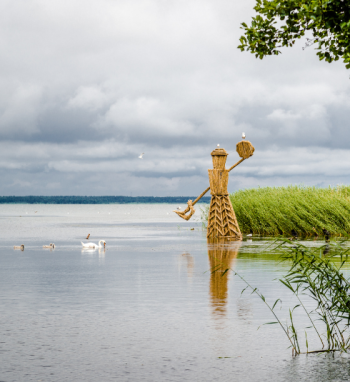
(189, 264)
(222, 254)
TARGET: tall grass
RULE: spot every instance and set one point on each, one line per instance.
(315, 273)
(273, 211)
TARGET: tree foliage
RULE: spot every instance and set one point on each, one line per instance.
(280, 22)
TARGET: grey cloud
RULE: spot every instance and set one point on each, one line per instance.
(87, 86)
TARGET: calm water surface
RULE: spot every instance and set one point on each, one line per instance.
(146, 309)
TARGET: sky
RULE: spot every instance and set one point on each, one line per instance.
(86, 86)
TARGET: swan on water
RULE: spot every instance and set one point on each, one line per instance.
(21, 247)
(93, 245)
(51, 246)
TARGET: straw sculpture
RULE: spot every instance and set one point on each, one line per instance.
(222, 220)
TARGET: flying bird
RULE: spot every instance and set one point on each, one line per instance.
(243, 135)
(141, 155)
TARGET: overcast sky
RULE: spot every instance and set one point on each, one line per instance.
(88, 85)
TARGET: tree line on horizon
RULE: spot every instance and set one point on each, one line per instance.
(96, 199)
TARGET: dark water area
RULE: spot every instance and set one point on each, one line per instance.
(145, 309)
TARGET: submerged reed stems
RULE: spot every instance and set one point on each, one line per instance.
(315, 273)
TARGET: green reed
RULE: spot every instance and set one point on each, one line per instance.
(315, 273)
(276, 211)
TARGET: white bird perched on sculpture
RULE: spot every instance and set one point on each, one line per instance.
(93, 245)
(141, 156)
(243, 135)
(218, 145)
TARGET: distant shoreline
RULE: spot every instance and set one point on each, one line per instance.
(98, 199)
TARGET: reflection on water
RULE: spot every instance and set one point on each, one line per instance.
(147, 308)
(189, 264)
(221, 253)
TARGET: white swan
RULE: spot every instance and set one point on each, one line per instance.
(93, 245)
(21, 247)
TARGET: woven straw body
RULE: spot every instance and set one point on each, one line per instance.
(222, 220)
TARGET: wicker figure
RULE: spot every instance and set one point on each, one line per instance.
(222, 220)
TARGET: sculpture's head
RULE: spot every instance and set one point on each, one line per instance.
(219, 159)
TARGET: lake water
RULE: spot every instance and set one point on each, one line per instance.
(145, 309)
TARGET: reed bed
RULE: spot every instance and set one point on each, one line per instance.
(276, 211)
(317, 274)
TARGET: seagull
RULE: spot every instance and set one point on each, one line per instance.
(141, 155)
(243, 135)
(218, 145)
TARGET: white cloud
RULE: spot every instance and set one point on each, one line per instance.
(89, 98)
